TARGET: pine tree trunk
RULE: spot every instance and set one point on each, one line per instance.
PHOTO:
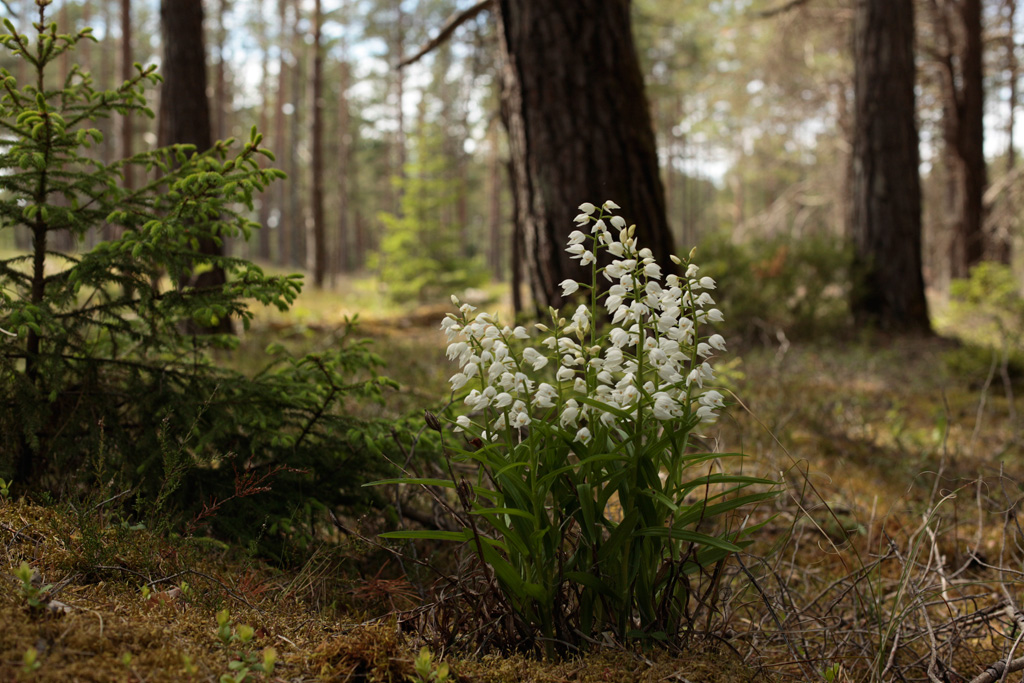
(319, 228)
(184, 108)
(284, 249)
(342, 249)
(886, 202)
(127, 69)
(264, 198)
(579, 129)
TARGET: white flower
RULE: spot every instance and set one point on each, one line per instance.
(576, 237)
(534, 358)
(456, 349)
(462, 422)
(707, 283)
(583, 435)
(705, 300)
(608, 420)
(581, 318)
(665, 408)
(717, 341)
(586, 258)
(577, 250)
(652, 270)
(715, 316)
(692, 270)
(458, 380)
(520, 419)
(520, 333)
(618, 336)
(587, 208)
(599, 226)
(581, 219)
(579, 385)
(570, 413)
(564, 374)
(618, 222)
(503, 400)
(706, 414)
(703, 350)
(450, 326)
(568, 286)
(609, 205)
(712, 399)
(544, 398)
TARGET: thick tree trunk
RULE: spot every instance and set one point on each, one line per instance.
(886, 202)
(184, 108)
(579, 129)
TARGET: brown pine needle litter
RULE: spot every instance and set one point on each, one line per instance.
(149, 613)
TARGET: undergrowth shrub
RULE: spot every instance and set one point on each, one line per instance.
(987, 310)
(799, 287)
(592, 505)
(102, 385)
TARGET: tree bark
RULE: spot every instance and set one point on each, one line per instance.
(958, 27)
(886, 188)
(264, 198)
(319, 227)
(579, 130)
(127, 68)
(284, 249)
(185, 111)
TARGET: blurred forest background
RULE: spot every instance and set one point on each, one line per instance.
(752, 103)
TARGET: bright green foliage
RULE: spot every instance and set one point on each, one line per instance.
(32, 593)
(988, 311)
(427, 671)
(423, 250)
(104, 383)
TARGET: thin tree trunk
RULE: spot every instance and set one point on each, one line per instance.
(127, 72)
(296, 207)
(342, 254)
(319, 227)
(220, 83)
(284, 226)
(496, 245)
(264, 199)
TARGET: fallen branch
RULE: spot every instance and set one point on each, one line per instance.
(995, 671)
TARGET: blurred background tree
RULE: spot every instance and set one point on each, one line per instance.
(751, 104)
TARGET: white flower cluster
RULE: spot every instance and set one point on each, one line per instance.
(653, 360)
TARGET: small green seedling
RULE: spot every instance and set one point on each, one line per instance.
(188, 667)
(426, 671)
(247, 662)
(32, 593)
(30, 661)
(5, 488)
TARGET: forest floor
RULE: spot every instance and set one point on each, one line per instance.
(893, 554)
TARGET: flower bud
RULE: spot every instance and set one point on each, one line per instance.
(431, 420)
